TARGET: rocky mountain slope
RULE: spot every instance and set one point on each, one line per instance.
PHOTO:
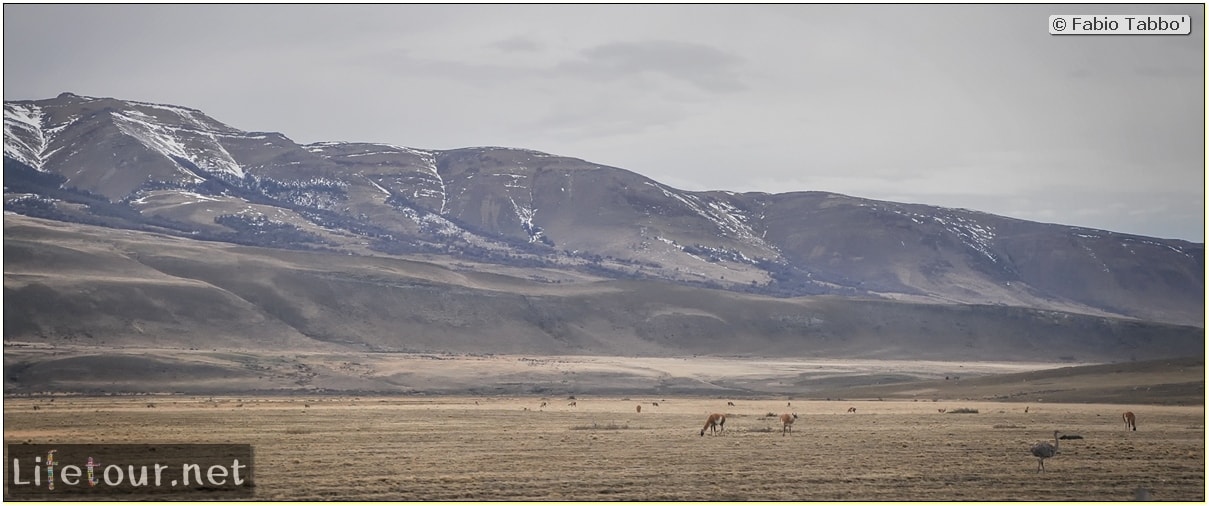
(173, 170)
(75, 286)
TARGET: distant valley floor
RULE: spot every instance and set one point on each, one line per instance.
(35, 369)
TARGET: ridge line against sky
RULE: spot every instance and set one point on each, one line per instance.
(957, 105)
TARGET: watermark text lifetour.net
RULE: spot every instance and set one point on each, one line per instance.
(109, 471)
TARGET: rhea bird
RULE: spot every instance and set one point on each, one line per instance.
(1044, 450)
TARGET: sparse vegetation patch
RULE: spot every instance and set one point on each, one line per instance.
(595, 426)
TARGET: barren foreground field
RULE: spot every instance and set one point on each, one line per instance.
(602, 448)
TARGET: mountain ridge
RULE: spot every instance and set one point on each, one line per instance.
(129, 164)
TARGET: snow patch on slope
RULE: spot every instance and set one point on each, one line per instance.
(197, 198)
(973, 235)
(525, 215)
(190, 118)
(24, 139)
(376, 185)
(428, 162)
(436, 224)
(729, 220)
(164, 139)
(1160, 245)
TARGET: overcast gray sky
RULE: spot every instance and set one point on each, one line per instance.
(973, 106)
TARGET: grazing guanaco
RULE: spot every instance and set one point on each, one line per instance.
(572, 403)
(1130, 420)
(729, 403)
(852, 409)
(787, 422)
(715, 423)
(639, 408)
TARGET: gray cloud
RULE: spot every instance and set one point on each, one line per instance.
(518, 44)
(702, 66)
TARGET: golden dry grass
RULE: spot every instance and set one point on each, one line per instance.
(480, 448)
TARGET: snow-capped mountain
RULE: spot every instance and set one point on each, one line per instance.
(172, 169)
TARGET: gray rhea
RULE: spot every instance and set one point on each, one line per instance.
(1044, 450)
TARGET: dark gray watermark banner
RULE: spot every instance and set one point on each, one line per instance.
(107, 472)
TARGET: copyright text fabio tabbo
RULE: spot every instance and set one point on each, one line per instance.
(1122, 24)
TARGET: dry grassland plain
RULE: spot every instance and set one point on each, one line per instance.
(602, 448)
